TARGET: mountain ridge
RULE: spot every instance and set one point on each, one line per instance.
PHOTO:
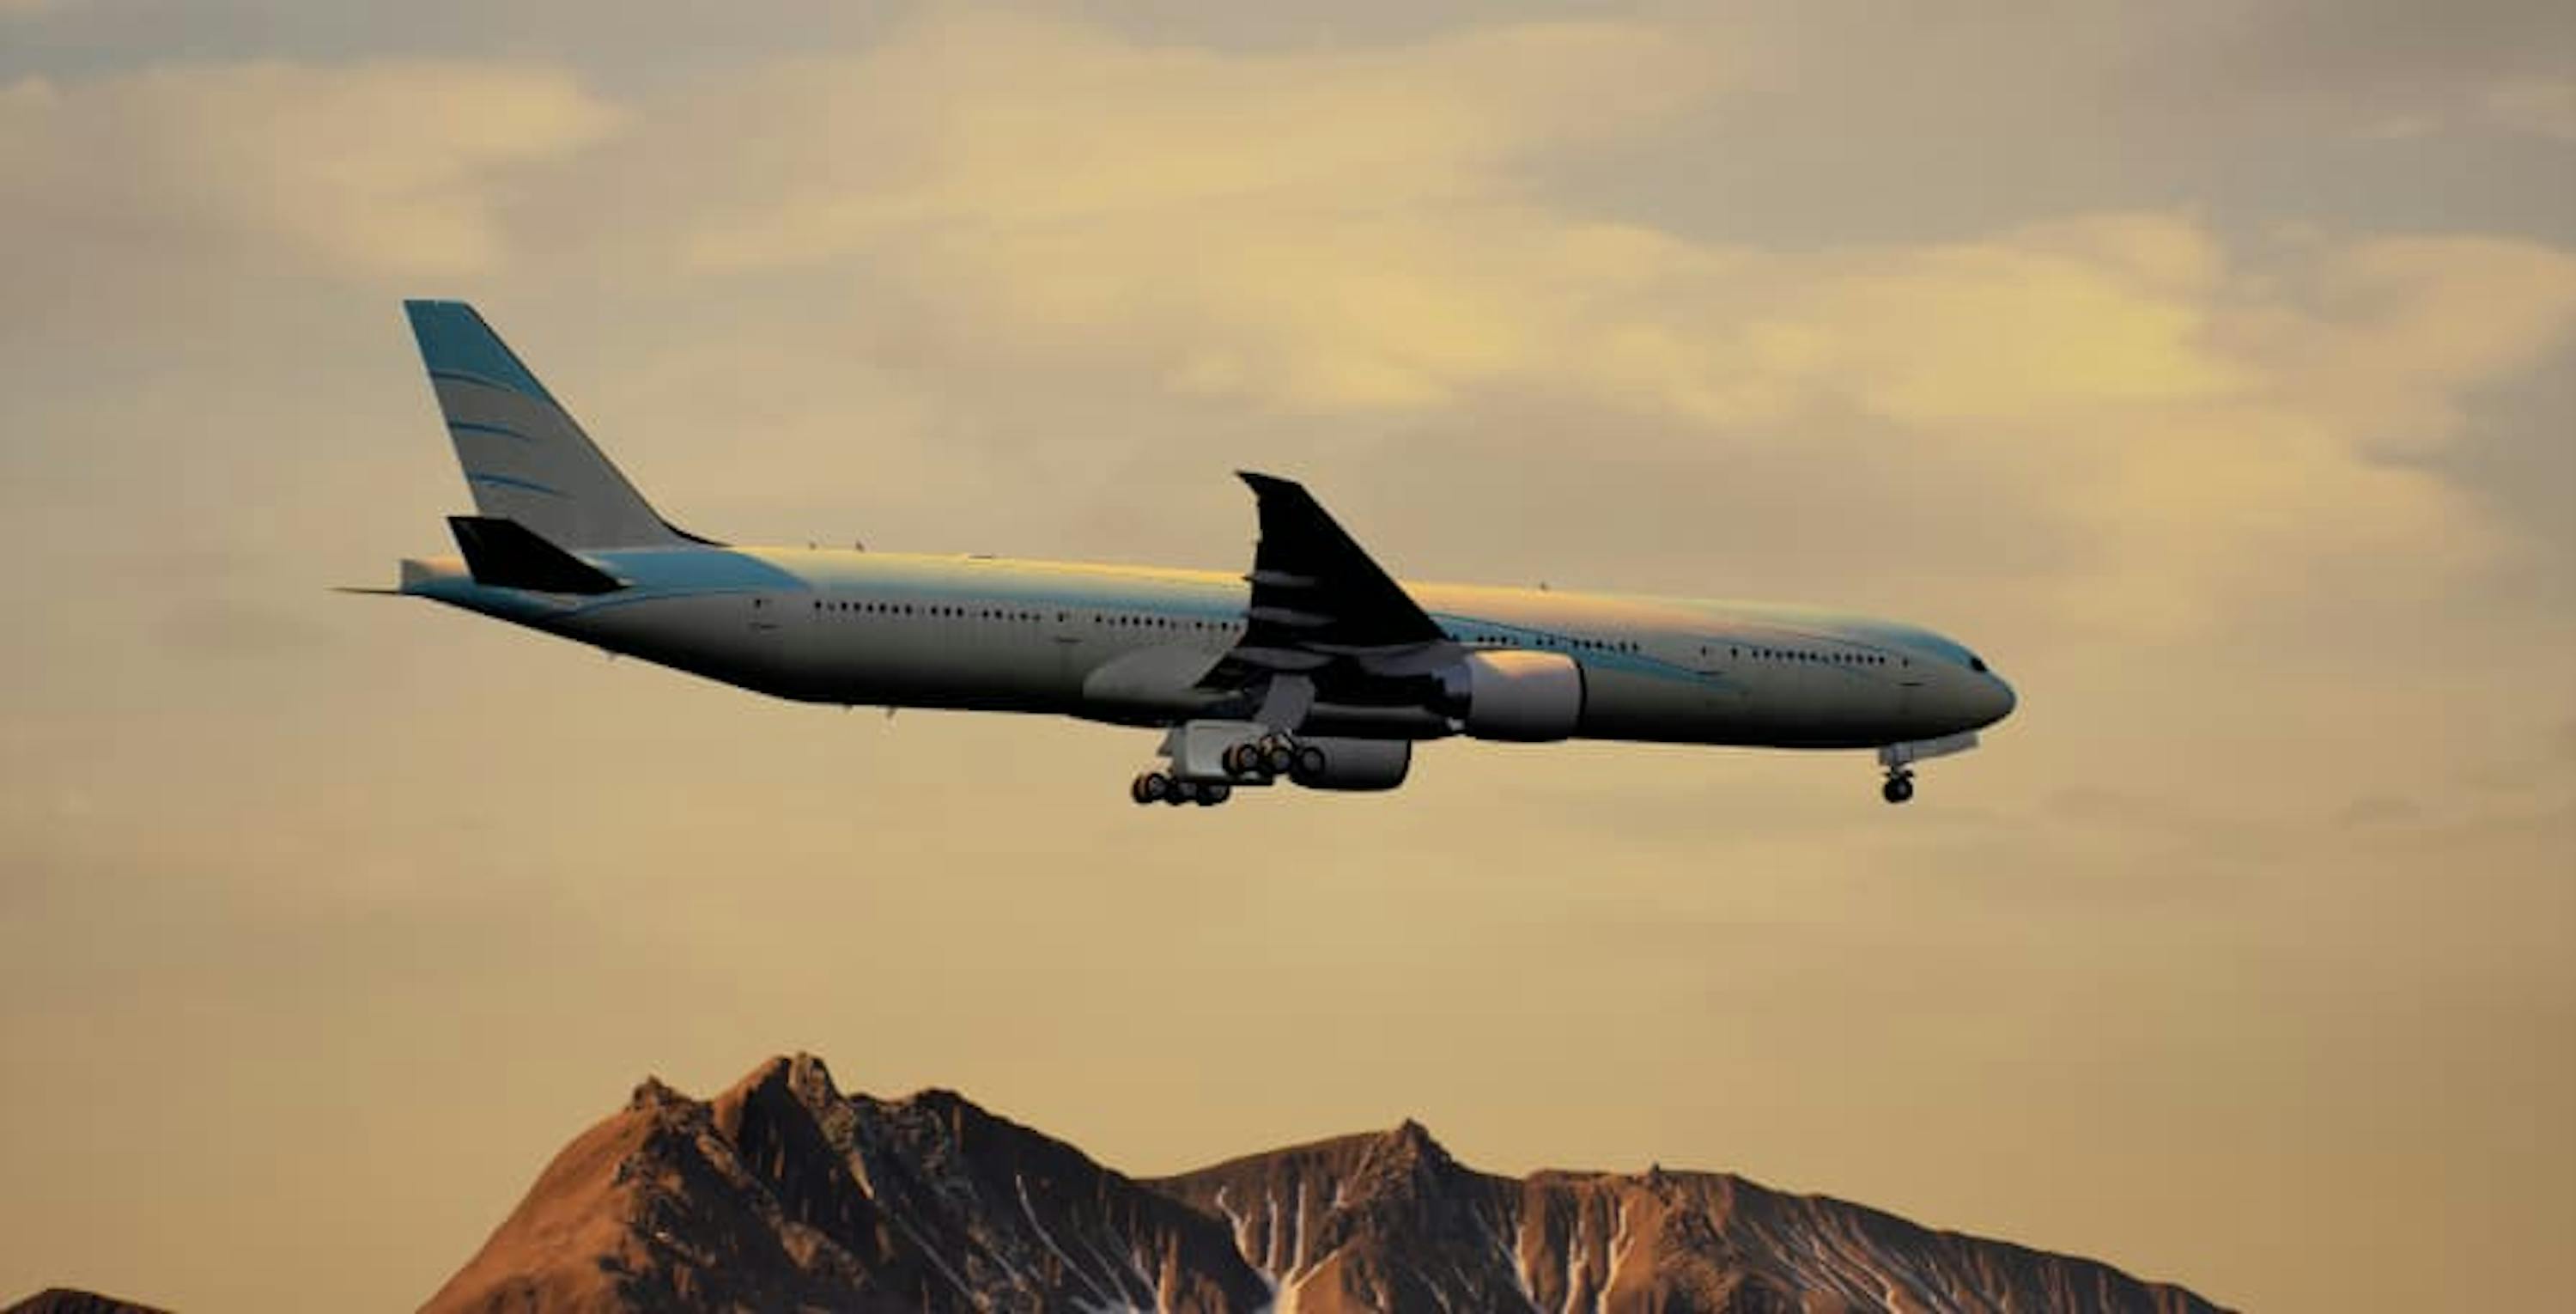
(784, 1193)
(72, 1300)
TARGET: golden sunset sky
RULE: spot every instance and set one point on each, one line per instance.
(2206, 365)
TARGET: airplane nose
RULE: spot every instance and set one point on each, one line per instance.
(1998, 699)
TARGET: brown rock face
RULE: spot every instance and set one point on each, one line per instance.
(1391, 1222)
(64, 1300)
(785, 1194)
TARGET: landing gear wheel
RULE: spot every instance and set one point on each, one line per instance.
(1279, 757)
(1151, 787)
(1211, 795)
(1897, 789)
(1310, 762)
(1182, 791)
(1244, 759)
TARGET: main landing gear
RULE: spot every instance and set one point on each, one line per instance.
(1257, 760)
(1162, 787)
(1272, 756)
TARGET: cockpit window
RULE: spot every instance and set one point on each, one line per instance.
(1977, 664)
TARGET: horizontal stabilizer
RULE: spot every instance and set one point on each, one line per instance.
(505, 554)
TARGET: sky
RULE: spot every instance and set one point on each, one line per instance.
(2207, 366)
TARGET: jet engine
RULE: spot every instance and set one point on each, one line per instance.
(1351, 764)
(1528, 697)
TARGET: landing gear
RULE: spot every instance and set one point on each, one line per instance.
(1899, 760)
(1151, 787)
(1207, 761)
(1161, 787)
(1262, 760)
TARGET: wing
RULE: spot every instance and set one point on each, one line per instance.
(1323, 610)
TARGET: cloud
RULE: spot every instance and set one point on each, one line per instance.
(377, 168)
(2543, 107)
(1368, 234)
(2202, 422)
(2009, 349)
(966, 122)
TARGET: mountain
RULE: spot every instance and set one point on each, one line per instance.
(783, 1193)
(64, 1300)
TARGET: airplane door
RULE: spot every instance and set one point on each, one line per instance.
(765, 625)
(1723, 693)
(1065, 635)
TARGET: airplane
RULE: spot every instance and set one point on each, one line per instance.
(1314, 666)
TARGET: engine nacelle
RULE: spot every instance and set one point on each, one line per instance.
(1355, 764)
(1526, 697)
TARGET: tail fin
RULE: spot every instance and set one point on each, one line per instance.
(525, 459)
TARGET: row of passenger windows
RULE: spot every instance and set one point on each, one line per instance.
(1547, 641)
(1115, 620)
(933, 609)
(911, 609)
(1102, 619)
(1164, 623)
(1799, 655)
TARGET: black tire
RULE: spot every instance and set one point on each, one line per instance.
(1211, 795)
(1182, 791)
(1280, 759)
(1897, 789)
(1310, 762)
(1243, 759)
(1149, 787)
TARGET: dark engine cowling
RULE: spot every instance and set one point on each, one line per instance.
(1526, 697)
(1356, 764)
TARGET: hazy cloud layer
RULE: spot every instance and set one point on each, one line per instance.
(1336, 234)
(2207, 365)
(377, 168)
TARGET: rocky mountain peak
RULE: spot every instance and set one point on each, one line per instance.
(783, 1192)
(65, 1300)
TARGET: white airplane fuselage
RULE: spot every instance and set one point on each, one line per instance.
(1128, 645)
(1314, 666)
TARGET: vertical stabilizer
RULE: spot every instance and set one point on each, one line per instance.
(525, 458)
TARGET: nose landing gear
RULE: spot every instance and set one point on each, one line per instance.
(1899, 786)
(1899, 760)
